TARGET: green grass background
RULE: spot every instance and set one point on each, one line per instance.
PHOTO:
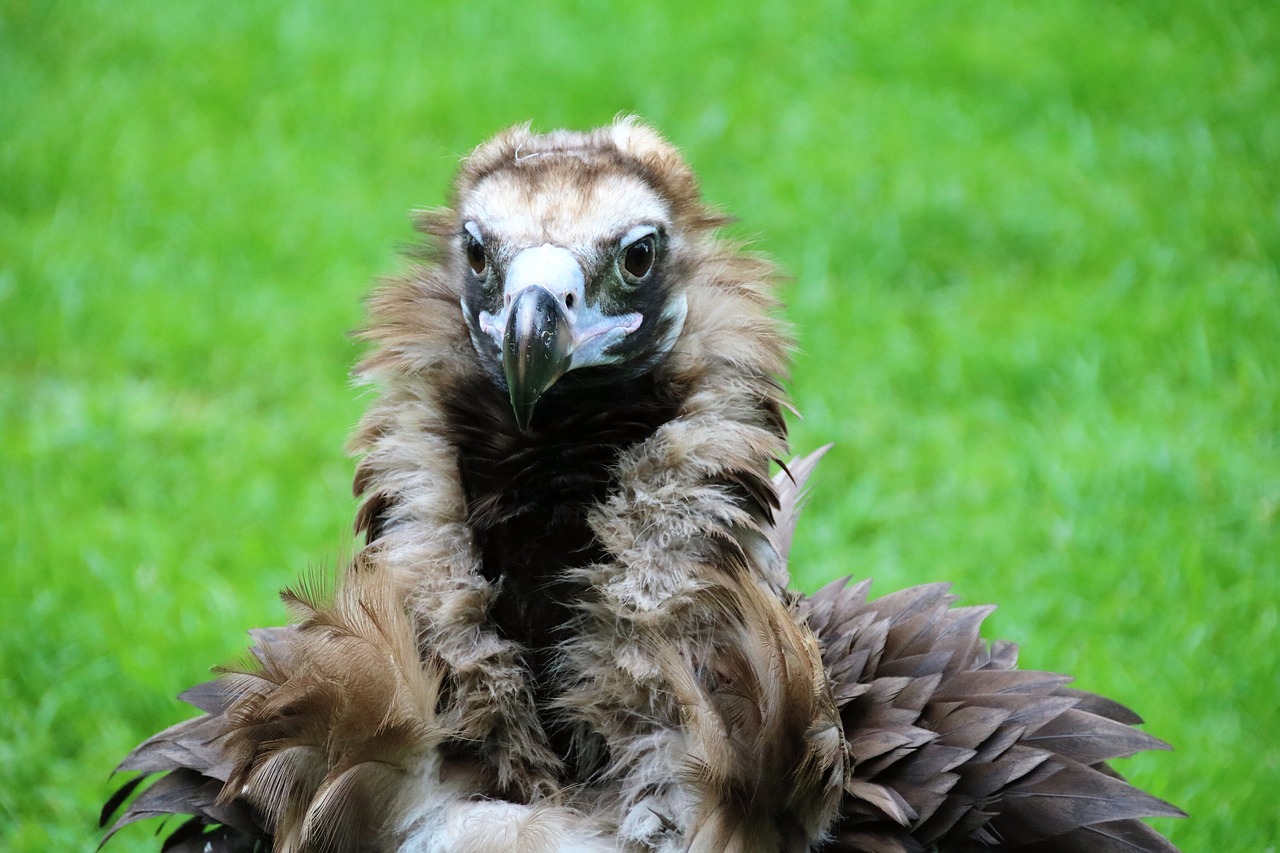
(1035, 259)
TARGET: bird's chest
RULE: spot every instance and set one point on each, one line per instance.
(529, 495)
(529, 540)
(528, 558)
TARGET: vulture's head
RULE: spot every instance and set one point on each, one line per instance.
(573, 251)
(575, 298)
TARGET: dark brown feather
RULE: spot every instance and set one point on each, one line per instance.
(976, 750)
(307, 745)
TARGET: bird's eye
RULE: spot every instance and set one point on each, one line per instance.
(637, 259)
(475, 255)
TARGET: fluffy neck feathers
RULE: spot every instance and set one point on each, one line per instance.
(451, 493)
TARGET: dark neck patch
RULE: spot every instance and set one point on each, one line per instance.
(528, 495)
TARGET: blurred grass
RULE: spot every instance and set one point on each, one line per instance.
(1036, 283)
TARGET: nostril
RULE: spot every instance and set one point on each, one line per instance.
(568, 300)
(506, 300)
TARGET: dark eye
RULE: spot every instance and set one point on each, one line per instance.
(637, 259)
(475, 255)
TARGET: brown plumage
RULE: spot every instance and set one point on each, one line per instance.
(569, 629)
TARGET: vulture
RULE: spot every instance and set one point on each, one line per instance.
(569, 627)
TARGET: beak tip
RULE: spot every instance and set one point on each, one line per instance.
(524, 415)
(536, 350)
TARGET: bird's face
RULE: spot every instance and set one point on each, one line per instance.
(566, 267)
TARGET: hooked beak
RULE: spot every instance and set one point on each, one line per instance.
(537, 348)
(545, 328)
